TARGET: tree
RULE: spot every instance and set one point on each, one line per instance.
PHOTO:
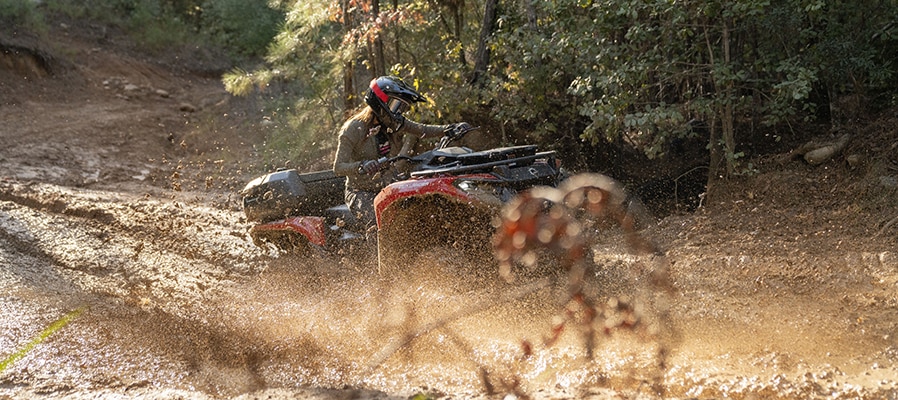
(634, 74)
(482, 56)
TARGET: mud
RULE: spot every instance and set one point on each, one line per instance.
(120, 203)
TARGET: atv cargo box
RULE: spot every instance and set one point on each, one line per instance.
(287, 192)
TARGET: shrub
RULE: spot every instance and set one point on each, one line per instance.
(21, 14)
(244, 27)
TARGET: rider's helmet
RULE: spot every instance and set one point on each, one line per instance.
(389, 97)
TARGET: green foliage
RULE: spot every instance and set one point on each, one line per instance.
(317, 42)
(241, 27)
(156, 26)
(639, 70)
(308, 46)
(21, 14)
(537, 70)
(301, 136)
(239, 82)
(244, 27)
(627, 72)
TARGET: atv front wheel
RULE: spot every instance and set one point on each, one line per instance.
(420, 224)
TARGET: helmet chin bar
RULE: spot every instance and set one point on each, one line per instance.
(391, 114)
(392, 121)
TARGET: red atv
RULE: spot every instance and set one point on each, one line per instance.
(449, 198)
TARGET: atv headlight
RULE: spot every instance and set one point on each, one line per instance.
(485, 192)
(466, 186)
(475, 187)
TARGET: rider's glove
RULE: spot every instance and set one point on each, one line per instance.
(458, 129)
(369, 167)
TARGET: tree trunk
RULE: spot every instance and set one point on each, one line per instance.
(482, 57)
(377, 48)
(397, 35)
(716, 157)
(459, 11)
(729, 138)
(348, 89)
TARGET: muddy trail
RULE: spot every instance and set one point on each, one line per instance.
(176, 301)
(118, 208)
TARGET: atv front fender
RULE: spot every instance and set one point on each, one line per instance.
(396, 192)
(312, 228)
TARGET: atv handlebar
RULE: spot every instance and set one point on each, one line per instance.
(454, 133)
(384, 162)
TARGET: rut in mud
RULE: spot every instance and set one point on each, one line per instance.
(117, 200)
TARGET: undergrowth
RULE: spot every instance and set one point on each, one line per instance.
(16, 15)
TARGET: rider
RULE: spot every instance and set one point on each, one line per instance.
(377, 131)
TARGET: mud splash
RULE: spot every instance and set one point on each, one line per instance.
(180, 303)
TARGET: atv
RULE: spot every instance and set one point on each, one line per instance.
(448, 198)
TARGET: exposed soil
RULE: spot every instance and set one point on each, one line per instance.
(118, 200)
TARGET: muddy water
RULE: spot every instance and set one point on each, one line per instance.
(180, 304)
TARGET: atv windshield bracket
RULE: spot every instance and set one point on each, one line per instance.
(476, 167)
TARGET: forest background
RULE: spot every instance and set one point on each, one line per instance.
(647, 91)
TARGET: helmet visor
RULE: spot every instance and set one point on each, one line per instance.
(397, 105)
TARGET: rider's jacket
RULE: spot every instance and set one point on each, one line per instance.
(360, 141)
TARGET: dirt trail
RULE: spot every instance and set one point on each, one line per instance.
(786, 287)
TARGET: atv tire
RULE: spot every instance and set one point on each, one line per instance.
(421, 224)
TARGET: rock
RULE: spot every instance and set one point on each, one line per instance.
(853, 160)
(187, 107)
(826, 152)
(821, 155)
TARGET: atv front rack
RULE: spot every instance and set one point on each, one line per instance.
(455, 169)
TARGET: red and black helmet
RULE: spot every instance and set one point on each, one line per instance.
(389, 97)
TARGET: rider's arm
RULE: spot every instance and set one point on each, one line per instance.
(351, 136)
(409, 142)
(408, 145)
(412, 128)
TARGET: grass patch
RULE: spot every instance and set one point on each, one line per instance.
(50, 330)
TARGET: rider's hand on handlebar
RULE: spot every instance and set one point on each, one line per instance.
(369, 167)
